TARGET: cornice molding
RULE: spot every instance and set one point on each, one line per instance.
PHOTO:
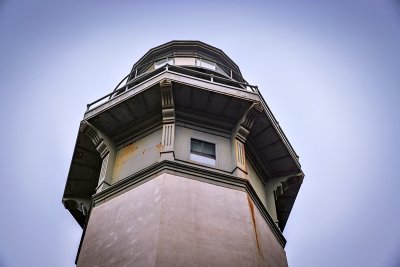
(191, 172)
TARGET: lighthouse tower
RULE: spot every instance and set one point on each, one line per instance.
(183, 164)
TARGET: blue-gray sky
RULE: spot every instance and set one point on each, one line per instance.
(329, 70)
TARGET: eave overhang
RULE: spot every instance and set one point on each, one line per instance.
(216, 103)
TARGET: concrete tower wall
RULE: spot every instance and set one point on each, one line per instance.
(175, 221)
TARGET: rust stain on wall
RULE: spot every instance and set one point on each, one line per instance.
(251, 206)
(159, 147)
(123, 154)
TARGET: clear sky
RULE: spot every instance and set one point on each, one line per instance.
(329, 70)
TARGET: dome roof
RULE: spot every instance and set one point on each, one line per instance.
(187, 49)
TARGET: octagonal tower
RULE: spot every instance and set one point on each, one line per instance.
(183, 164)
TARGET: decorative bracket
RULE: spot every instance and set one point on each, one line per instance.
(167, 101)
(106, 150)
(93, 135)
(90, 132)
(241, 132)
(168, 113)
(247, 121)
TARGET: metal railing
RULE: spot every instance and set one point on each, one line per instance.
(174, 69)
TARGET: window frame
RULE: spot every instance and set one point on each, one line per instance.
(203, 157)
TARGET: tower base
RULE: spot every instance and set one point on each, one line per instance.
(176, 221)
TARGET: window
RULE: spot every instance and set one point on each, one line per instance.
(185, 61)
(163, 62)
(202, 151)
(206, 64)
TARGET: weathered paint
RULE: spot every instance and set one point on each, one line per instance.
(137, 155)
(256, 182)
(272, 251)
(253, 220)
